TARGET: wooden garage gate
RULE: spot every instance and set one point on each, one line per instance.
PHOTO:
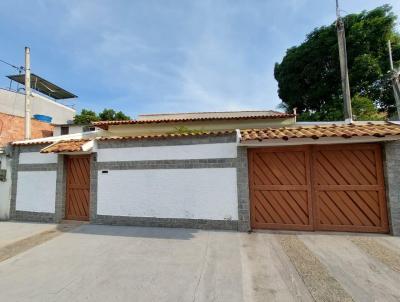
(326, 187)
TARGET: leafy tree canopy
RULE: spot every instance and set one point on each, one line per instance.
(111, 115)
(87, 116)
(309, 74)
(364, 109)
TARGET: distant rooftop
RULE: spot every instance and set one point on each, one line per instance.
(198, 116)
(208, 115)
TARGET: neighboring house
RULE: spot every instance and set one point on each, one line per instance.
(222, 170)
(13, 103)
(12, 112)
(12, 129)
(70, 128)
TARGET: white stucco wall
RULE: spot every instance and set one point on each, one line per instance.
(72, 129)
(36, 191)
(5, 188)
(169, 193)
(14, 103)
(37, 158)
(199, 151)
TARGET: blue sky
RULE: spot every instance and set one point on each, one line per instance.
(163, 56)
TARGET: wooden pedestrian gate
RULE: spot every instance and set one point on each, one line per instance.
(327, 187)
(78, 188)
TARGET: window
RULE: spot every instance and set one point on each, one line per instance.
(64, 130)
(89, 128)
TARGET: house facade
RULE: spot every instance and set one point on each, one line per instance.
(12, 112)
(12, 129)
(72, 128)
(13, 103)
(231, 170)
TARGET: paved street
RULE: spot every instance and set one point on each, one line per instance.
(110, 263)
(11, 231)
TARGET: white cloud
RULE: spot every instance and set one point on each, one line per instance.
(145, 56)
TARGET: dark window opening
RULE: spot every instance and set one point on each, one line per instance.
(89, 128)
(64, 130)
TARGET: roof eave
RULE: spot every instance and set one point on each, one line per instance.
(318, 141)
(105, 124)
(54, 139)
(87, 147)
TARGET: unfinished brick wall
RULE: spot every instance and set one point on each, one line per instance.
(12, 129)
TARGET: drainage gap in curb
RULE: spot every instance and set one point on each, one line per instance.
(320, 283)
(25, 244)
(378, 251)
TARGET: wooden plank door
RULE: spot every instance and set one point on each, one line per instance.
(349, 188)
(280, 190)
(78, 188)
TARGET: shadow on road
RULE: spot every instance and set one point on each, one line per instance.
(131, 231)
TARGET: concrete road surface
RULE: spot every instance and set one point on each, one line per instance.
(11, 231)
(110, 263)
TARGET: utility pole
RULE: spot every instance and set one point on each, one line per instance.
(395, 80)
(348, 115)
(27, 93)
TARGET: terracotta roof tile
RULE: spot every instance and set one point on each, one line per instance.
(65, 146)
(105, 124)
(74, 145)
(169, 135)
(215, 114)
(30, 143)
(319, 131)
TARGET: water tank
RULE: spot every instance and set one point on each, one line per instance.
(43, 118)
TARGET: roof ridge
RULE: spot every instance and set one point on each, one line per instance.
(165, 135)
(272, 116)
(205, 112)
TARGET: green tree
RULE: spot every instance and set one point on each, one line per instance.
(86, 117)
(111, 115)
(120, 116)
(309, 74)
(363, 109)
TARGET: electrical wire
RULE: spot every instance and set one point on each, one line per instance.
(11, 65)
(20, 69)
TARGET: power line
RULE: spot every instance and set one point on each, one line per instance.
(13, 66)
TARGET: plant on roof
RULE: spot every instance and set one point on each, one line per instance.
(186, 130)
